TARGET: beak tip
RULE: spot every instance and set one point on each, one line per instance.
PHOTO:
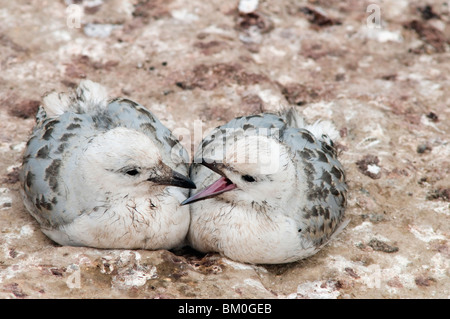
(187, 201)
(182, 181)
(192, 186)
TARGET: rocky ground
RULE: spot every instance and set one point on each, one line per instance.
(197, 64)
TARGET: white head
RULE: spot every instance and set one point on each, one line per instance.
(122, 161)
(254, 169)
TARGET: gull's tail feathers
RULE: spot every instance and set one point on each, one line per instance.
(87, 97)
(322, 130)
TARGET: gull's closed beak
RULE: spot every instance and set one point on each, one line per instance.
(170, 177)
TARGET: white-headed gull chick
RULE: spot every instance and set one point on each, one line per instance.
(272, 192)
(105, 173)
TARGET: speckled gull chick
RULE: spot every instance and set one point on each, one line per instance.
(105, 173)
(272, 189)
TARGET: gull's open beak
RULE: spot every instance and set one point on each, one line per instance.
(172, 178)
(220, 186)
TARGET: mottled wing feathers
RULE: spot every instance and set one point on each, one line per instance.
(314, 150)
(326, 187)
(52, 140)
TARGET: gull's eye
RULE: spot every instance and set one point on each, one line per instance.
(248, 178)
(132, 172)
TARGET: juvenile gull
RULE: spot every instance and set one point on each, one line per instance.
(272, 192)
(105, 173)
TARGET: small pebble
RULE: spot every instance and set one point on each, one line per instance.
(422, 148)
(378, 245)
(247, 6)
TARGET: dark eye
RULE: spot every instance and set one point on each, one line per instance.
(248, 178)
(132, 172)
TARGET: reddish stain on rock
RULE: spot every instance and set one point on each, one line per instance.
(208, 77)
(319, 17)
(440, 193)
(298, 94)
(151, 9)
(252, 104)
(258, 19)
(12, 177)
(81, 65)
(15, 290)
(351, 272)
(428, 34)
(24, 109)
(211, 47)
(424, 281)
